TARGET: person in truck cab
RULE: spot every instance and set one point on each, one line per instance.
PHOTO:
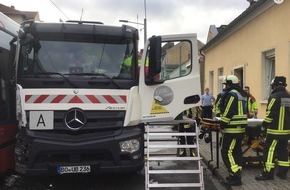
(80, 60)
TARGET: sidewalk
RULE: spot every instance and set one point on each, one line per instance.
(249, 171)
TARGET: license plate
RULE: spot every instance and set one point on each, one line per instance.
(41, 120)
(73, 169)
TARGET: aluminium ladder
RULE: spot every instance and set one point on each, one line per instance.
(159, 140)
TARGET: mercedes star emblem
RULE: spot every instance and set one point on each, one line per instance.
(75, 119)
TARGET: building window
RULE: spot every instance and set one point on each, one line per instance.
(220, 79)
(239, 72)
(211, 77)
(268, 68)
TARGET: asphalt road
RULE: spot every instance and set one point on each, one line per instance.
(97, 182)
(134, 181)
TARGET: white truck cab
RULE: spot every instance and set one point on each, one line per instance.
(83, 98)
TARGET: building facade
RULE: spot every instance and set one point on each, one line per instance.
(255, 46)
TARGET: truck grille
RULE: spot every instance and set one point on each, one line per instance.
(96, 121)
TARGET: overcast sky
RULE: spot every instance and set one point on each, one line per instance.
(163, 16)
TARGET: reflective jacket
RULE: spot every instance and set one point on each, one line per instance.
(188, 113)
(234, 112)
(277, 118)
(216, 106)
(252, 106)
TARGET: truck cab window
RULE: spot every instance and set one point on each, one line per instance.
(82, 57)
(176, 59)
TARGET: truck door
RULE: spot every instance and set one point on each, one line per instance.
(170, 84)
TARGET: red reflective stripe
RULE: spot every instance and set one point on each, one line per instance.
(124, 98)
(58, 98)
(75, 99)
(93, 99)
(27, 97)
(110, 99)
(41, 98)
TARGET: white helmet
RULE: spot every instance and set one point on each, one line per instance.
(231, 79)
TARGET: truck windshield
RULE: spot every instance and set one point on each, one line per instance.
(77, 59)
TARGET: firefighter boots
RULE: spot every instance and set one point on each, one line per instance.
(282, 175)
(265, 176)
(181, 152)
(234, 179)
(192, 152)
(282, 172)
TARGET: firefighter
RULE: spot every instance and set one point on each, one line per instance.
(277, 126)
(186, 127)
(233, 122)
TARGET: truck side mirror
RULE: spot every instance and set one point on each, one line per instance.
(154, 67)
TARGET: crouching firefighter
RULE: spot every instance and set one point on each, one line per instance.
(233, 121)
(277, 126)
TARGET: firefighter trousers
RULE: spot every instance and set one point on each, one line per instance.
(231, 152)
(187, 139)
(274, 146)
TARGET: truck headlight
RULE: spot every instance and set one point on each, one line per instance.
(131, 146)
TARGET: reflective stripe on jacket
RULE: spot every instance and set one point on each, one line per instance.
(234, 117)
(216, 106)
(277, 118)
(187, 113)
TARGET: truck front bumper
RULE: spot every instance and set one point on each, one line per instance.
(38, 154)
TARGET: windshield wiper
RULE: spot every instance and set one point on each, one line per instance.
(56, 73)
(98, 74)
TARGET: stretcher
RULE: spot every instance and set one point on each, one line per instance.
(253, 142)
(252, 145)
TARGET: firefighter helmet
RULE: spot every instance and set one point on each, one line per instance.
(279, 81)
(231, 79)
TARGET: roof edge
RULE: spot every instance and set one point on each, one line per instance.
(246, 16)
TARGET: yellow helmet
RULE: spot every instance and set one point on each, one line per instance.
(231, 79)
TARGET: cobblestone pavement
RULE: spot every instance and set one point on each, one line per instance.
(249, 171)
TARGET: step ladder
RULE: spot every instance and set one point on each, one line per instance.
(163, 167)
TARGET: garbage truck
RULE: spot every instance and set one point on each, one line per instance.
(83, 100)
